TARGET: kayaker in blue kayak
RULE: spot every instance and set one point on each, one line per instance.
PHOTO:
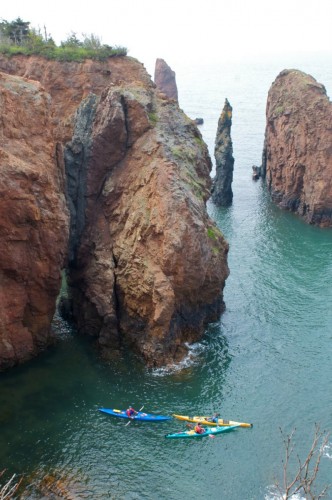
(131, 413)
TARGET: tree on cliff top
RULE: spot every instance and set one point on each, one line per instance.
(16, 37)
(17, 31)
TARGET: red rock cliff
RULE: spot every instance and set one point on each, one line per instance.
(297, 158)
(70, 82)
(147, 266)
(33, 220)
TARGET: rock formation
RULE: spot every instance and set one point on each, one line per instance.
(149, 265)
(297, 156)
(256, 172)
(146, 265)
(222, 194)
(199, 121)
(33, 220)
(164, 78)
(70, 82)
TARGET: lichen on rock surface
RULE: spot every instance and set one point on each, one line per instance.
(297, 156)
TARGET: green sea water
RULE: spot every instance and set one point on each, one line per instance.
(268, 361)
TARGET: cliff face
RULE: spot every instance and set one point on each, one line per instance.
(149, 265)
(222, 194)
(70, 82)
(164, 78)
(297, 156)
(146, 265)
(33, 220)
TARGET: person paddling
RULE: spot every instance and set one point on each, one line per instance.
(214, 418)
(199, 429)
(131, 413)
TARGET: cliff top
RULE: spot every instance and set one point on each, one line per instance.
(17, 37)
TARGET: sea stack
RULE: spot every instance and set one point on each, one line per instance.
(297, 156)
(147, 265)
(222, 194)
(164, 78)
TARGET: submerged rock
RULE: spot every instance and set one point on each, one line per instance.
(297, 156)
(222, 194)
(164, 78)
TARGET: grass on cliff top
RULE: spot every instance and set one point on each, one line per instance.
(63, 53)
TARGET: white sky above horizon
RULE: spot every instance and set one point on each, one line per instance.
(187, 30)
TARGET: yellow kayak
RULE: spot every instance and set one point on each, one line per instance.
(204, 421)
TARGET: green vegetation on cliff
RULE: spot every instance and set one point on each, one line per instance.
(16, 37)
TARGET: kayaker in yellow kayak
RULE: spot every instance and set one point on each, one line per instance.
(214, 418)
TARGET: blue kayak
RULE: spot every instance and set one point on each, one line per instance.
(208, 432)
(141, 416)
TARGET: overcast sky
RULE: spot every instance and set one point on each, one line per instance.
(185, 30)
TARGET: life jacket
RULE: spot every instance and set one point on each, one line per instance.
(198, 429)
(130, 412)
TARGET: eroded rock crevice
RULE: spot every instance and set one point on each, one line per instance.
(77, 154)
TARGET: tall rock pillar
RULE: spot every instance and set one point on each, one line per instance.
(222, 194)
(164, 78)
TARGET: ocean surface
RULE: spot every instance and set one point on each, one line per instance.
(268, 361)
